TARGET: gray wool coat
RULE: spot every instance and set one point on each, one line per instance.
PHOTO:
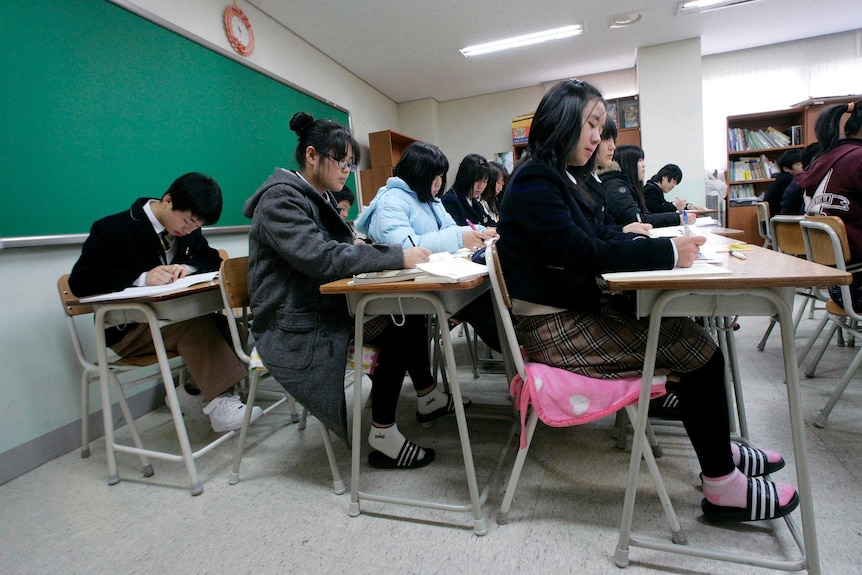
(297, 243)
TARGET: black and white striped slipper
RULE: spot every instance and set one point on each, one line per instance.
(408, 457)
(753, 462)
(762, 503)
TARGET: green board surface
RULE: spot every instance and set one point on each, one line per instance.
(100, 106)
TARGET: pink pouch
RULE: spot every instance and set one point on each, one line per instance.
(562, 398)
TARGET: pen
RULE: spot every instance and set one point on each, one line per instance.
(737, 255)
(472, 226)
(638, 216)
(685, 223)
(412, 243)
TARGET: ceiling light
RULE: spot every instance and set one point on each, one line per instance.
(709, 5)
(626, 19)
(525, 40)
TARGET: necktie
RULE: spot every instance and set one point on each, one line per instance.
(167, 241)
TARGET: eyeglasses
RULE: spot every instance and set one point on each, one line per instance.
(343, 164)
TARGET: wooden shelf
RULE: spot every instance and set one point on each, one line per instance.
(386, 150)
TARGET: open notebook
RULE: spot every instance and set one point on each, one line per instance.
(132, 292)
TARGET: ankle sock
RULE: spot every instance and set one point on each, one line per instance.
(771, 456)
(389, 441)
(732, 490)
(432, 401)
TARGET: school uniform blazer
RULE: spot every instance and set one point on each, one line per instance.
(461, 211)
(553, 244)
(123, 246)
(625, 204)
(654, 200)
(298, 242)
(396, 216)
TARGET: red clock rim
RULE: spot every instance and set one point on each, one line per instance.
(241, 49)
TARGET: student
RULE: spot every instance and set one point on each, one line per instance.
(834, 180)
(790, 164)
(793, 200)
(662, 182)
(153, 243)
(493, 193)
(406, 211)
(622, 181)
(297, 242)
(344, 199)
(553, 249)
(462, 199)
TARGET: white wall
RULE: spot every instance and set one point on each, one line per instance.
(39, 376)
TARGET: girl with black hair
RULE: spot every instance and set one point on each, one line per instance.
(462, 199)
(297, 242)
(553, 247)
(623, 183)
(834, 181)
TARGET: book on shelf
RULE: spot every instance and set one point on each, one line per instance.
(741, 191)
(741, 140)
(796, 135)
(451, 270)
(752, 168)
(387, 276)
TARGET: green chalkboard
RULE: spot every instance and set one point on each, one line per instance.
(100, 106)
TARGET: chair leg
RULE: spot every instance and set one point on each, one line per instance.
(762, 343)
(810, 343)
(811, 368)
(503, 513)
(337, 482)
(85, 415)
(472, 347)
(254, 377)
(821, 419)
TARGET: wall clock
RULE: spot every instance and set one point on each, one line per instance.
(238, 30)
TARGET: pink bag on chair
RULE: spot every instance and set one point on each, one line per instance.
(562, 398)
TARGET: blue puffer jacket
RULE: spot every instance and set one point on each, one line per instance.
(396, 213)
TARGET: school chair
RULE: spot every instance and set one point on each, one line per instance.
(117, 365)
(233, 282)
(763, 227)
(787, 239)
(562, 399)
(826, 243)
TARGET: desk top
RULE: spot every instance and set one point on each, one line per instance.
(344, 286)
(761, 268)
(193, 289)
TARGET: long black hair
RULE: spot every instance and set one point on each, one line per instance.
(472, 169)
(556, 126)
(628, 156)
(828, 126)
(325, 136)
(419, 165)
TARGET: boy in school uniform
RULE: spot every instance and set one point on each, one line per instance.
(155, 242)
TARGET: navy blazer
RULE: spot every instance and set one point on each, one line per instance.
(123, 246)
(553, 243)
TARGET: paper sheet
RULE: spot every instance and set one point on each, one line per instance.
(133, 292)
(697, 269)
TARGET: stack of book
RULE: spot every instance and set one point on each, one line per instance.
(752, 168)
(740, 139)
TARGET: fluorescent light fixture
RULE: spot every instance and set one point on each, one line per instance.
(709, 5)
(525, 40)
(624, 20)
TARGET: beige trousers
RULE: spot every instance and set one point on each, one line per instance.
(213, 365)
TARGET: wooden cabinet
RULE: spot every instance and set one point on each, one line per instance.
(386, 149)
(754, 143)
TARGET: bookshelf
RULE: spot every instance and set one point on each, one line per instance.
(386, 148)
(754, 143)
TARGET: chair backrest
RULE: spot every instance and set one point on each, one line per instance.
(763, 227)
(503, 307)
(787, 236)
(825, 240)
(67, 298)
(233, 283)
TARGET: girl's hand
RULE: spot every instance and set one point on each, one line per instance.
(687, 249)
(413, 256)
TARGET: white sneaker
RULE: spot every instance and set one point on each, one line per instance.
(227, 413)
(192, 405)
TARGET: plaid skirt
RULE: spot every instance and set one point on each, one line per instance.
(611, 343)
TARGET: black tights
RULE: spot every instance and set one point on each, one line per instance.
(703, 405)
(403, 350)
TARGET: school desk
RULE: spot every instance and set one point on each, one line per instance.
(412, 298)
(763, 284)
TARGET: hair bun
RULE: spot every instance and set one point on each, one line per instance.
(300, 121)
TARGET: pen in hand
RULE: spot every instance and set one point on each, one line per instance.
(685, 223)
(412, 243)
(472, 226)
(638, 216)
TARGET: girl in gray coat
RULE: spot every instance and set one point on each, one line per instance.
(297, 242)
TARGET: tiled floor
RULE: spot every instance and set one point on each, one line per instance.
(283, 516)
